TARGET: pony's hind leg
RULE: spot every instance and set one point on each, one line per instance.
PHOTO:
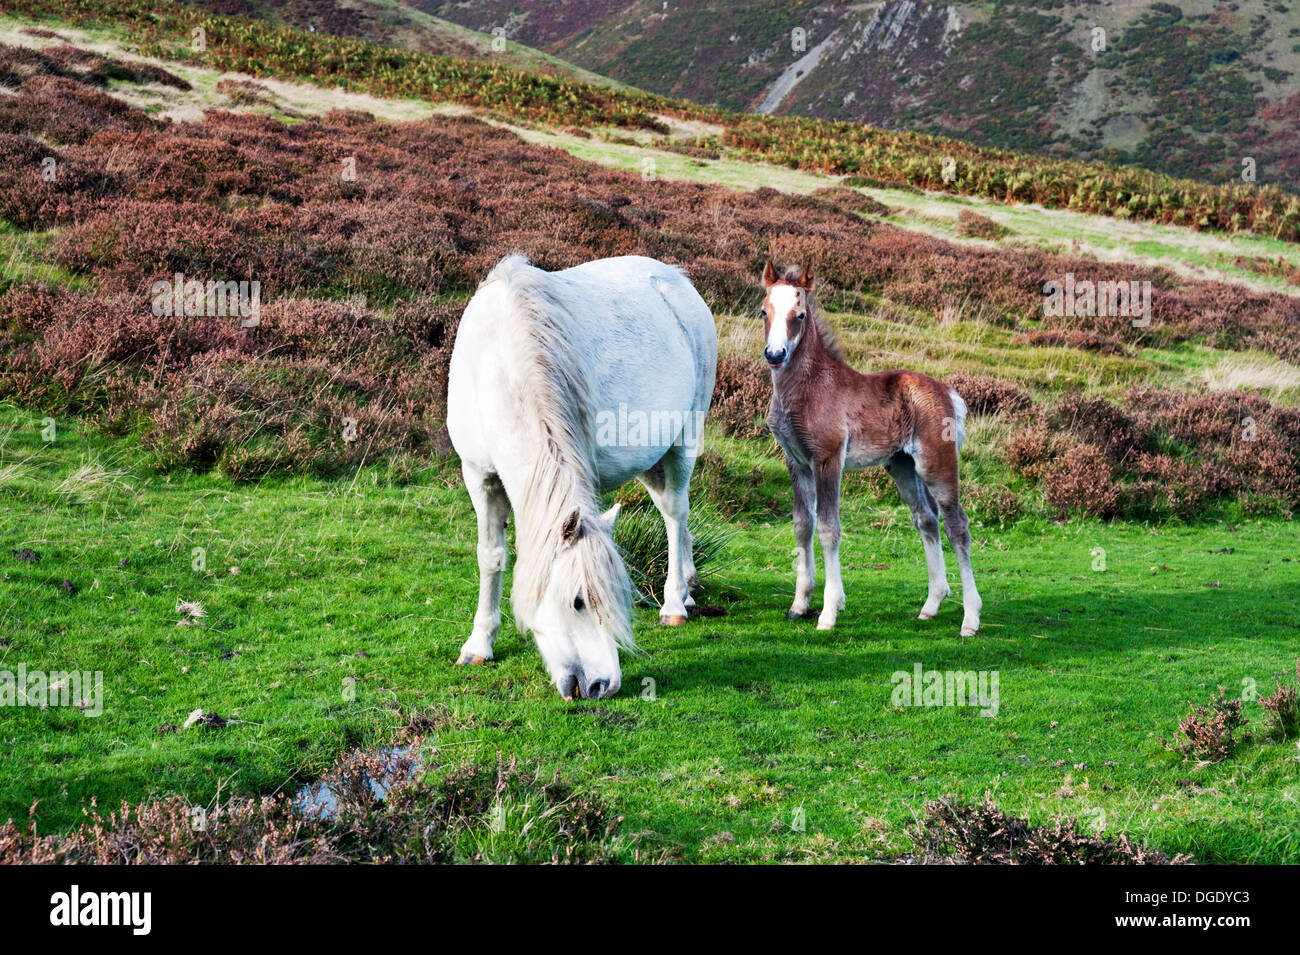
(668, 483)
(805, 513)
(493, 510)
(957, 528)
(943, 486)
(925, 518)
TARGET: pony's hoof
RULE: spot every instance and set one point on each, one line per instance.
(797, 615)
(925, 615)
(968, 631)
(672, 620)
(470, 659)
(822, 625)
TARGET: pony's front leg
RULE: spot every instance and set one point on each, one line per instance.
(493, 510)
(805, 510)
(828, 533)
(668, 483)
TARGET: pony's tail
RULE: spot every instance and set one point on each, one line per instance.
(959, 411)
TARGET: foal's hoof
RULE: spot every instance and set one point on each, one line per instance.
(968, 631)
(672, 620)
(806, 615)
(470, 659)
(923, 615)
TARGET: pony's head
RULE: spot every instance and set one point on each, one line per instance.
(582, 611)
(785, 313)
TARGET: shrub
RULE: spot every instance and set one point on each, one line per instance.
(1071, 338)
(985, 395)
(975, 226)
(1209, 731)
(982, 834)
(991, 503)
(1082, 481)
(741, 397)
(1030, 450)
(1097, 422)
(1283, 708)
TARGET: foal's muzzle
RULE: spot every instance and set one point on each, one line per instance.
(775, 359)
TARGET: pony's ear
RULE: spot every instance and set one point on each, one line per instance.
(769, 274)
(806, 279)
(609, 517)
(571, 529)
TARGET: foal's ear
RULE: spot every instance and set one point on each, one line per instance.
(806, 278)
(769, 275)
(571, 529)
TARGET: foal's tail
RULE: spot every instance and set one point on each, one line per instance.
(959, 411)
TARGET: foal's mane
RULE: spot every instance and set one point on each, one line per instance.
(548, 370)
(794, 276)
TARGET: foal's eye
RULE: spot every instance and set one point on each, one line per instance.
(578, 602)
(801, 316)
(762, 311)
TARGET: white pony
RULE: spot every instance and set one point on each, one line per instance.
(564, 385)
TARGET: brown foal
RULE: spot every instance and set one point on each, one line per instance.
(827, 417)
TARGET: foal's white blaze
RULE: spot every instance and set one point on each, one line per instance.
(786, 301)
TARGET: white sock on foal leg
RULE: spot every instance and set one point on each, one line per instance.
(938, 573)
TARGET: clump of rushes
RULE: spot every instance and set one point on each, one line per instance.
(1209, 732)
(640, 535)
(982, 834)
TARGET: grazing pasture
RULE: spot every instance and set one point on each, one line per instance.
(266, 524)
(365, 588)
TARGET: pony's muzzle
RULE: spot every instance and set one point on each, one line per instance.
(576, 686)
(775, 358)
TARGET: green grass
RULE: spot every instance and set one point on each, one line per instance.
(753, 717)
(24, 258)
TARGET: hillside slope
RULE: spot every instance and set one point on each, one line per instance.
(396, 24)
(1189, 88)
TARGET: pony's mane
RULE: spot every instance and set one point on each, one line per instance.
(794, 276)
(547, 369)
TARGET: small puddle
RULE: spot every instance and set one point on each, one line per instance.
(381, 771)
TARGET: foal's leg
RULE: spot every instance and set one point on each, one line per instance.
(925, 518)
(493, 510)
(942, 482)
(805, 509)
(828, 475)
(667, 483)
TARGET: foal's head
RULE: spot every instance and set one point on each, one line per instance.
(785, 313)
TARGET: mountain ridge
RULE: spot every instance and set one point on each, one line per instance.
(1191, 88)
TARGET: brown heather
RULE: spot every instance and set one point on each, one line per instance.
(982, 834)
(1283, 708)
(417, 822)
(1161, 453)
(363, 281)
(1209, 732)
(986, 395)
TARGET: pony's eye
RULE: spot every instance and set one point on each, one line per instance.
(578, 602)
(801, 316)
(762, 311)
